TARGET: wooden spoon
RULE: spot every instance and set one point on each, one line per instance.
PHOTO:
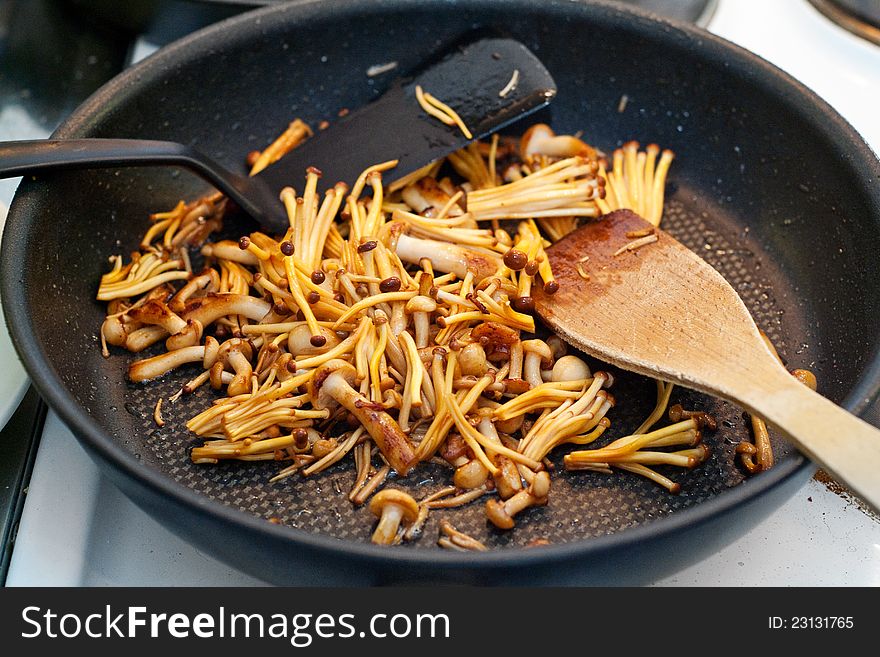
(661, 311)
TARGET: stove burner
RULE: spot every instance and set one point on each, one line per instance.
(861, 17)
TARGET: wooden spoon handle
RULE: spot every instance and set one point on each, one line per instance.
(844, 445)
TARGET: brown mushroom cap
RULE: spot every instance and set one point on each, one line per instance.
(498, 515)
(409, 507)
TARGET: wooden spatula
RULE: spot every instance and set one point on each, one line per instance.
(661, 311)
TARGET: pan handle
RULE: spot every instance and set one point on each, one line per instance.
(23, 158)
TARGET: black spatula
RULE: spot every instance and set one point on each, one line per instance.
(489, 83)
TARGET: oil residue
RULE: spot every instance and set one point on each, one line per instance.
(842, 491)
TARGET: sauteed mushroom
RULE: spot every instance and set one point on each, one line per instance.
(392, 507)
(395, 322)
(332, 385)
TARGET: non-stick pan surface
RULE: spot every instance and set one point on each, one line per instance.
(769, 185)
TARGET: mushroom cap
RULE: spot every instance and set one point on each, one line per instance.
(498, 515)
(490, 334)
(472, 474)
(233, 344)
(472, 359)
(233, 347)
(534, 135)
(507, 482)
(409, 507)
(510, 426)
(540, 139)
(421, 304)
(316, 384)
(539, 347)
(299, 341)
(570, 368)
(557, 346)
(157, 312)
(540, 487)
(114, 331)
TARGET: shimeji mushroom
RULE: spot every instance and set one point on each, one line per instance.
(703, 419)
(507, 480)
(235, 354)
(426, 193)
(448, 257)
(392, 507)
(501, 514)
(472, 360)
(538, 356)
(570, 368)
(471, 474)
(300, 343)
(208, 280)
(151, 368)
(346, 331)
(421, 307)
(155, 312)
(540, 139)
(331, 385)
(210, 308)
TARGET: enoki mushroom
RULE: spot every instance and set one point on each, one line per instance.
(393, 326)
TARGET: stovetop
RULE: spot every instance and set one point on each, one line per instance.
(820, 536)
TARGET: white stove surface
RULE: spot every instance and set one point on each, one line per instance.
(78, 529)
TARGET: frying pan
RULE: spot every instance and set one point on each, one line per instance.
(769, 185)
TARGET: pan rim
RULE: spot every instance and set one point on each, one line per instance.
(99, 441)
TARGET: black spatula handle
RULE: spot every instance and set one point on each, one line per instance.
(21, 158)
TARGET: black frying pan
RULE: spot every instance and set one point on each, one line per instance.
(769, 184)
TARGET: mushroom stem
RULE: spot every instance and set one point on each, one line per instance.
(388, 524)
(392, 506)
(209, 309)
(386, 433)
(448, 257)
(151, 368)
(501, 514)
